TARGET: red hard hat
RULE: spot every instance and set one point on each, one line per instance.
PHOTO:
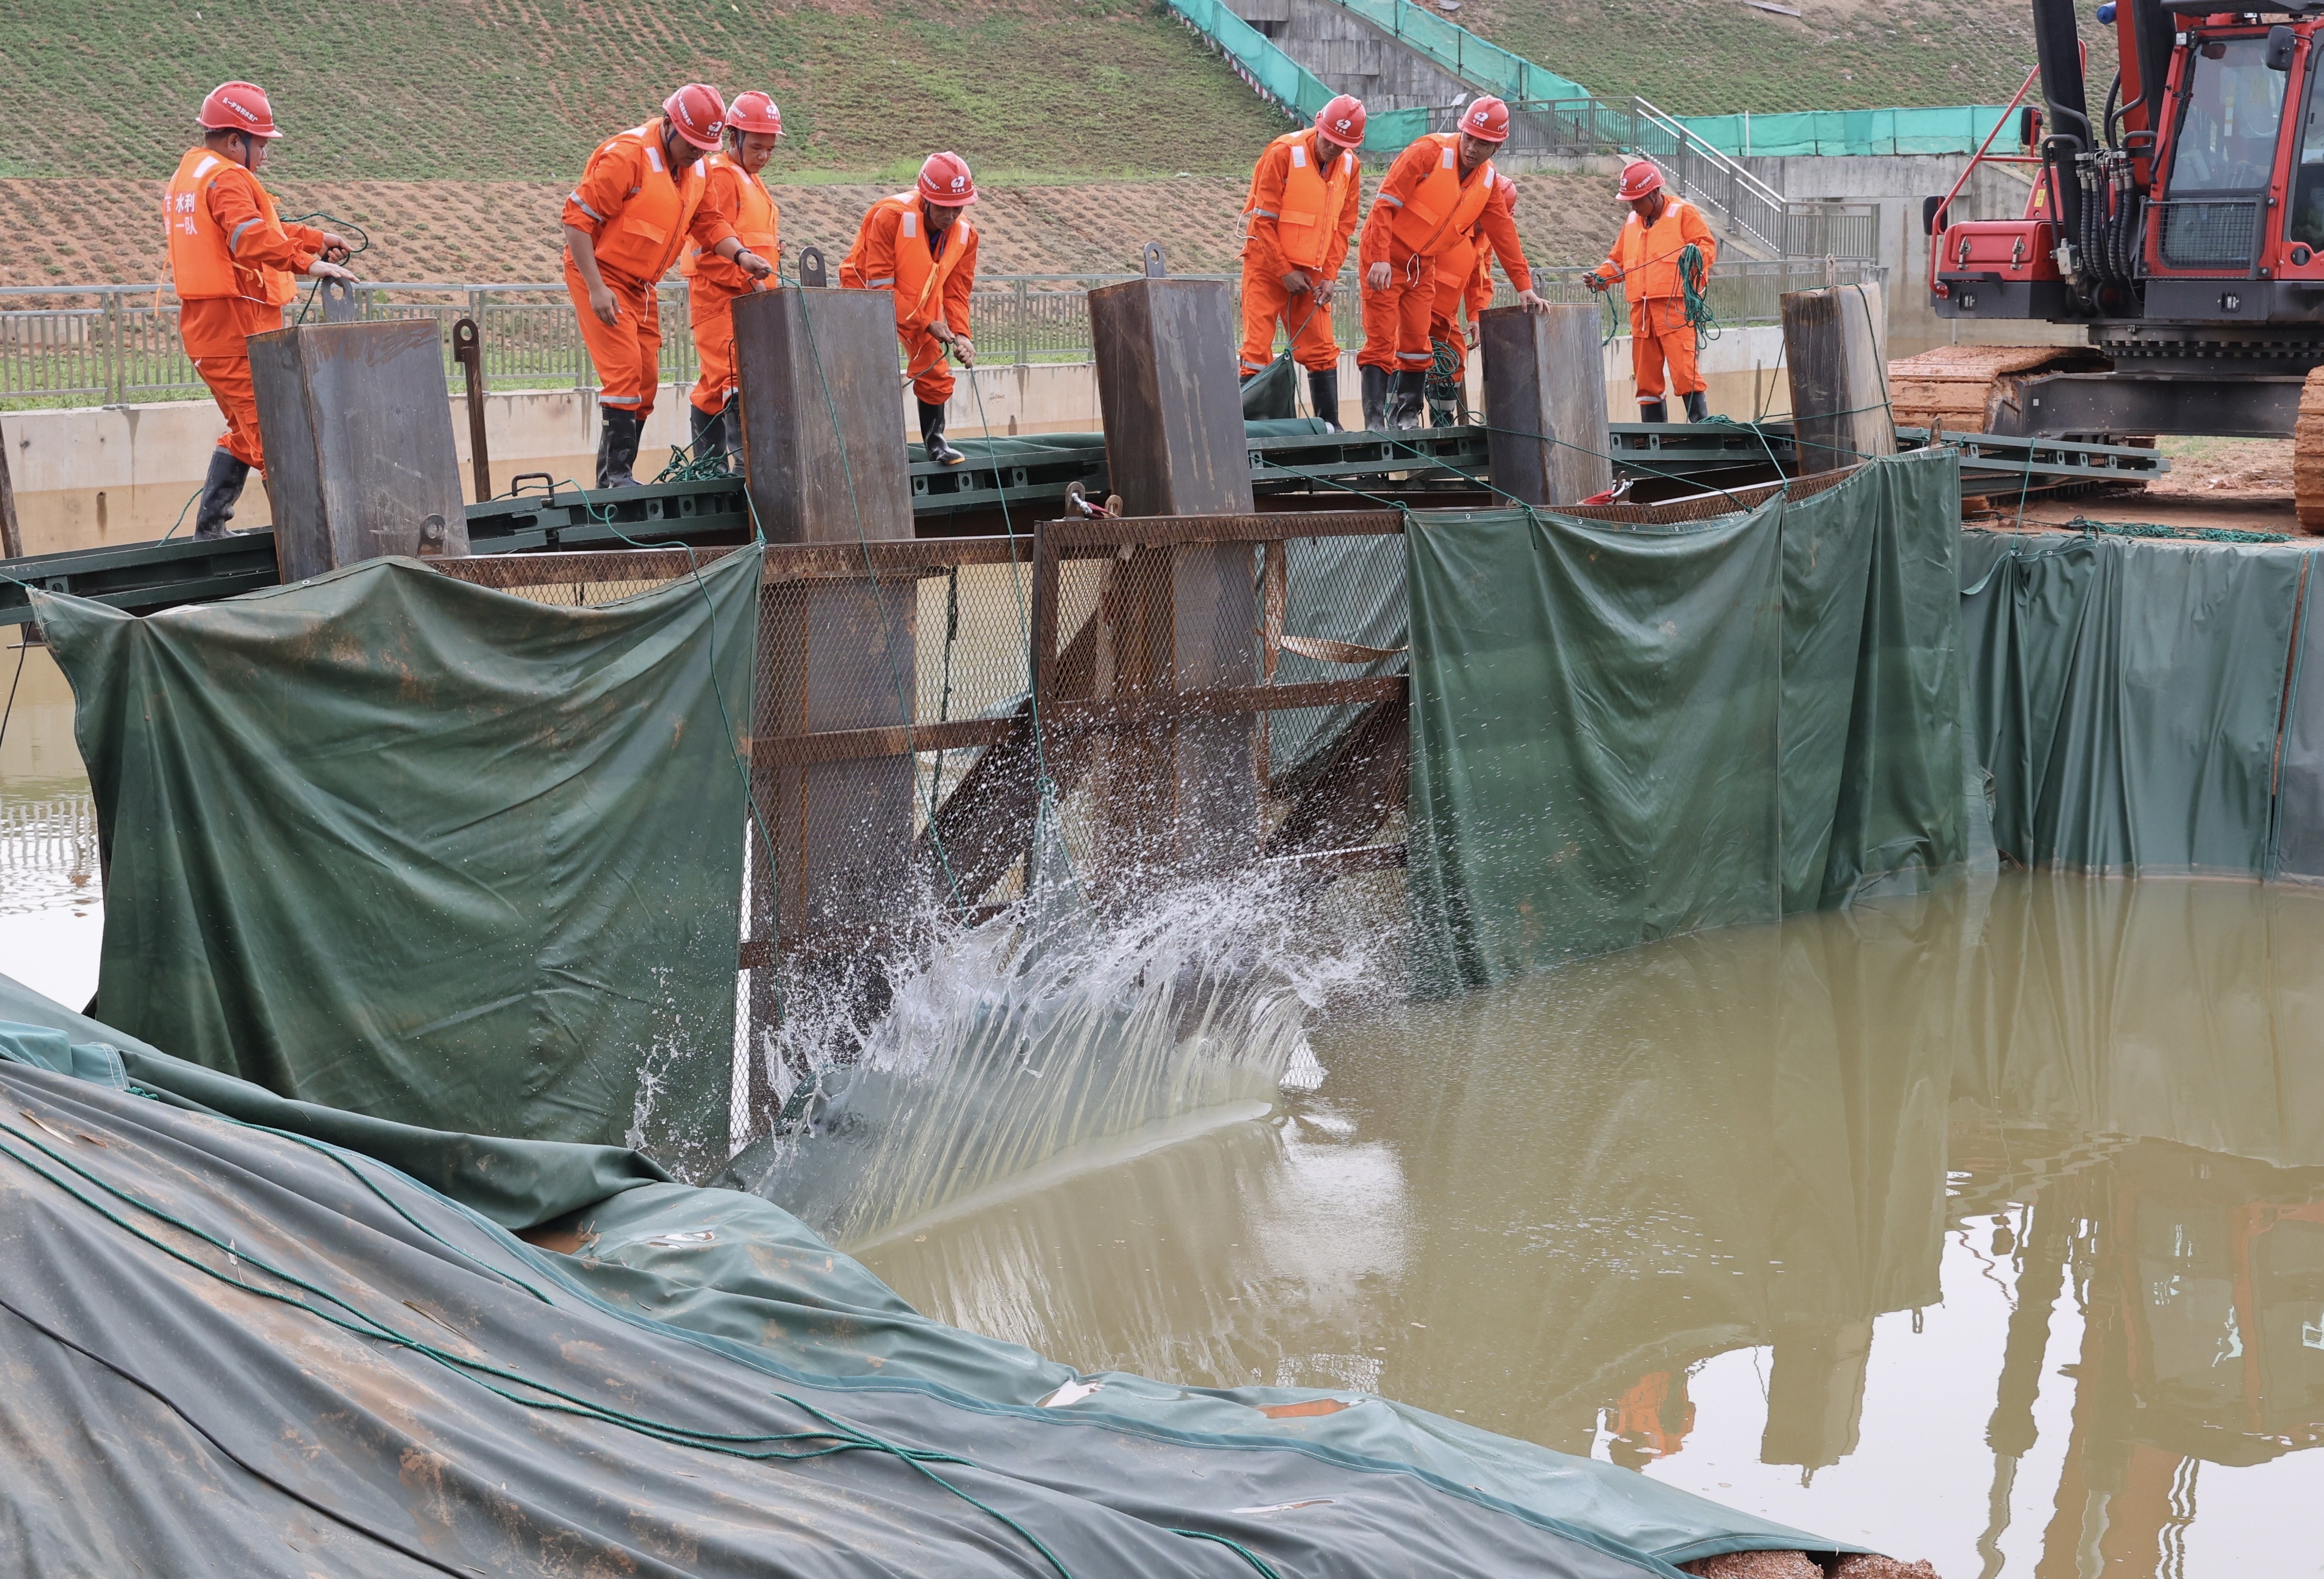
(753, 111)
(944, 181)
(1487, 119)
(1343, 121)
(698, 112)
(238, 107)
(1508, 189)
(1639, 177)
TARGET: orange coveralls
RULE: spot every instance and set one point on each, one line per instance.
(1645, 259)
(1425, 206)
(1464, 278)
(740, 200)
(231, 262)
(1297, 217)
(893, 252)
(639, 219)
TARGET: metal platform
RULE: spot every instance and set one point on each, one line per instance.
(1668, 459)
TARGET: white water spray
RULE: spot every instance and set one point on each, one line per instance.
(1044, 1032)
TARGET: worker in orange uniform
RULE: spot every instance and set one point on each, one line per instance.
(1464, 279)
(919, 244)
(1436, 193)
(1648, 259)
(231, 262)
(639, 201)
(734, 196)
(1298, 219)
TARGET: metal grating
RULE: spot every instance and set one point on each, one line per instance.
(2219, 234)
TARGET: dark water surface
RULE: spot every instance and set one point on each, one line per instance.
(1987, 1228)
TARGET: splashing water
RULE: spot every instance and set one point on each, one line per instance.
(1007, 1047)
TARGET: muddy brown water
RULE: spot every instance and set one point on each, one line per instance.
(1986, 1227)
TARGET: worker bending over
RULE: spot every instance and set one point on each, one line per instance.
(639, 201)
(1650, 258)
(1298, 220)
(231, 262)
(919, 244)
(1464, 279)
(1436, 193)
(734, 197)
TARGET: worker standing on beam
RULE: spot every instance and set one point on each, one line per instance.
(231, 262)
(919, 244)
(1663, 253)
(1434, 194)
(1298, 220)
(639, 201)
(734, 196)
(1464, 279)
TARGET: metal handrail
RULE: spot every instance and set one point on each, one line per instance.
(1702, 150)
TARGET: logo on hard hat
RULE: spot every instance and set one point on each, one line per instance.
(959, 182)
(1478, 116)
(1341, 122)
(717, 125)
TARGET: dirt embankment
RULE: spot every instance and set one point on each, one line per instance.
(69, 233)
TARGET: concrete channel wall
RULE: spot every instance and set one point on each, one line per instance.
(1350, 55)
(106, 475)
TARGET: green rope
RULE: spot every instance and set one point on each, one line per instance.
(538, 1395)
(2156, 529)
(357, 247)
(1266, 1569)
(1694, 279)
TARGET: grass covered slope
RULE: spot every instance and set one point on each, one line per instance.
(1717, 57)
(520, 90)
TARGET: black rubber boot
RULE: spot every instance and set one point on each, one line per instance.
(932, 438)
(1323, 394)
(220, 489)
(1410, 397)
(1376, 380)
(617, 446)
(708, 432)
(1653, 411)
(1698, 406)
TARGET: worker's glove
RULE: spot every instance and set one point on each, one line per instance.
(1597, 284)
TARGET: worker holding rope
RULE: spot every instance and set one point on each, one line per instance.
(1464, 279)
(734, 197)
(231, 262)
(1662, 258)
(1436, 193)
(1298, 220)
(919, 244)
(639, 201)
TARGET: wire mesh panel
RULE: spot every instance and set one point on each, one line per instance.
(2220, 234)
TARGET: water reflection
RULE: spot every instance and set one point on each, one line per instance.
(1986, 1227)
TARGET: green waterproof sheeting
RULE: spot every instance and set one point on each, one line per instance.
(1620, 732)
(488, 1433)
(2127, 696)
(391, 842)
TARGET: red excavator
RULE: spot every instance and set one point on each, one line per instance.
(2183, 228)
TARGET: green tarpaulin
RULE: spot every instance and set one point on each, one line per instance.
(1623, 732)
(2126, 696)
(233, 1351)
(388, 842)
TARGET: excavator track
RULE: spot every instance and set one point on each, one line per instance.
(1974, 389)
(2307, 457)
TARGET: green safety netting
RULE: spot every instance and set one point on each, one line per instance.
(1619, 732)
(1960, 128)
(392, 843)
(2128, 697)
(239, 1341)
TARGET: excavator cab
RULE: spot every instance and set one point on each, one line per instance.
(2183, 227)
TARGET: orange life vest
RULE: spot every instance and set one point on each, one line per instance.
(201, 263)
(1442, 208)
(919, 278)
(644, 237)
(757, 221)
(1313, 202)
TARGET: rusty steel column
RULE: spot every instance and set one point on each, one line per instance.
(1836, 344)
(357, 418)
(1545, 403)
(1175, 799)
(824, 454)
